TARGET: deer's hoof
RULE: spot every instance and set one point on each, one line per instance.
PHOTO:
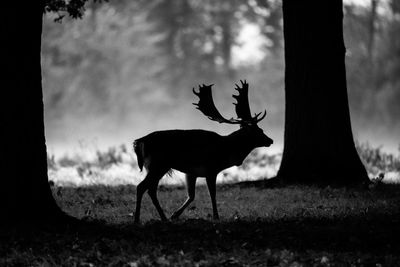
(174, 217)
(136, 221)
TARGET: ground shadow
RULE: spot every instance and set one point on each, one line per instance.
(367, 234)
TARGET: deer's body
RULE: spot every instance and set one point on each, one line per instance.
(201, 152)
(197, 153)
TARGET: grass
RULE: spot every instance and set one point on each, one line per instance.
(118, 166)
(291, 226)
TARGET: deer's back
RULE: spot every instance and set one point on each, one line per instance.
(174, 141)
(183, 150)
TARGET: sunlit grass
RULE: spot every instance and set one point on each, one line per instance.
(118, 166)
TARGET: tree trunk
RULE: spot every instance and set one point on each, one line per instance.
(318, 141)
(25, 193)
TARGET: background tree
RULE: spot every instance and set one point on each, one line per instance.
(318, 139)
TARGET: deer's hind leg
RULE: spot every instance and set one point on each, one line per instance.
(153, 195)
(191, 190)
(150, 182)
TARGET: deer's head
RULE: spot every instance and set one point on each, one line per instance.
(248, 123)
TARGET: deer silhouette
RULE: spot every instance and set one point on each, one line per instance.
(198, 153)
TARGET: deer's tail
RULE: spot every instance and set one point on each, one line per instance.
(138, 147)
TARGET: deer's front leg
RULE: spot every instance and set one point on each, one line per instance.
(211, 184)
(191, 190)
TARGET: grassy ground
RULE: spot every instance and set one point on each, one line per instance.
(291, 226)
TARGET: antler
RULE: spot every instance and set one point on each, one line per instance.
(242, 106)
(207, 106)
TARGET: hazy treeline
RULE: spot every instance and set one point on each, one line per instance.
(129, 66)
(372, 36)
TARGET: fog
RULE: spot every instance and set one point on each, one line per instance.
(128, 68)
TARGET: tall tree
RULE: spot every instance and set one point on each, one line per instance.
(24, 190)
(318, 141)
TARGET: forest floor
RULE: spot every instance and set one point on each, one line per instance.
(289, 226)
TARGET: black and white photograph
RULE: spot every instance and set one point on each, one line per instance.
(200, 133)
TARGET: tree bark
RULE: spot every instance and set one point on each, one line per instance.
(318, 141)
(25, 193)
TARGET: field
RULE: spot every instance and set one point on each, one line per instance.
(290, 226)
(287, 226)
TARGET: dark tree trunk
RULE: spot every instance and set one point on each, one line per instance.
(318, 141)
(25, 193)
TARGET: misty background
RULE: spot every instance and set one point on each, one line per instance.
(127, 68)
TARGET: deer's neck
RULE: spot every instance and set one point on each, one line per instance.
(239, 147)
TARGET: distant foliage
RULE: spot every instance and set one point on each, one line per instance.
(117, 165)
(110, 157)
(68, 161)
(376, 161)
(255, 158)
(51, 162)
(372, 37)
(124, 58)
(128, 56)
(103, 159)
(73, 8)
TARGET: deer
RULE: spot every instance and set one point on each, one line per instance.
(198, 153)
